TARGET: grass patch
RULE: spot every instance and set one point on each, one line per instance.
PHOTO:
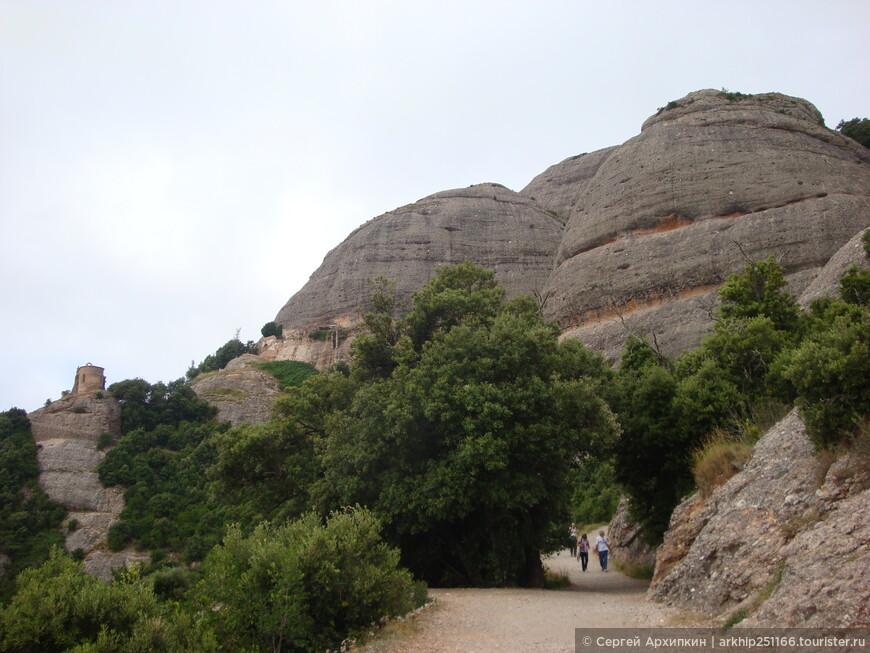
(555, 580)
(289, 373)
(720, 456)
(641, 572)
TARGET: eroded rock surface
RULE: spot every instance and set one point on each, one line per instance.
(486, 224)
(671, 213)
(625, 542)
(66, 433)
(635, 238)
(241, 392)
(784, 542)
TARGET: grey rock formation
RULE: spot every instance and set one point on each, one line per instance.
(671, 213)
(633, 238)
(241, 392)
(66, 433)
(827, 281)
(486, 224)
(627, 548)
(559, 187)
(784, 542)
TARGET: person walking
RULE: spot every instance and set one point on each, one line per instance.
(603, 547)
(572, 539)
(583, 551)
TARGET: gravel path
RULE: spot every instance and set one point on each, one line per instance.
(484, 620)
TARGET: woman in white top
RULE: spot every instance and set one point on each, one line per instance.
(603, 547)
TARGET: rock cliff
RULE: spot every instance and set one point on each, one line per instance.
(486, 223)
(784, 542)
(66, 434)
(632, 238)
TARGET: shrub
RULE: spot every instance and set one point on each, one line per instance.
(555, 580)
(272, 329)
(830, 371)
(718, 459)
(303, 585)
(857, 129)
(105, 440)
(58, 607)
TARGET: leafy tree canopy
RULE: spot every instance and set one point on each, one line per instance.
(857, 129)
(459, 426)
(145, 406)
(272, 329)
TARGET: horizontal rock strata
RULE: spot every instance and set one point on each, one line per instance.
(708, 183)
(67, 432)
(486, 224)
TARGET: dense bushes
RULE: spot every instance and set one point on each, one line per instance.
(218, 360)
(167, 499)
(58, 607)
(303, 586)
(146, 406)
(28, 518)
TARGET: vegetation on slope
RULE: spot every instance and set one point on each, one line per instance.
(469, 431)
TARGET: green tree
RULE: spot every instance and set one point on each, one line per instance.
(830, 372)
(759, 291)
(651, 450)
(223, 355)
(465, 448)
(146, 406)
(272, 329)
(855, 283)
(857, 129)
(268, 468)
(29, 520)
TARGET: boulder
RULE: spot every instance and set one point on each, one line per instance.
(635, 238)
(626, 545)
(827, 282)
(784, 542)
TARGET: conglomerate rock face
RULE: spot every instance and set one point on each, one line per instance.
(66, 433)
(241, 392)
(784, 542)
(486, 224)
(635, 238)
(710, 182)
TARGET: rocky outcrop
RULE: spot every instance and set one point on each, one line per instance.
(67, 433)
(486, 224)
(634, 238)
(241, 392)
(784, 527)
(626, 545)
(559, 187)
(711, 180)
(827, 282)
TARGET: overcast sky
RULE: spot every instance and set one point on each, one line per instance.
(172, 172)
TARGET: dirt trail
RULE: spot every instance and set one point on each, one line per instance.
(484, 620)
